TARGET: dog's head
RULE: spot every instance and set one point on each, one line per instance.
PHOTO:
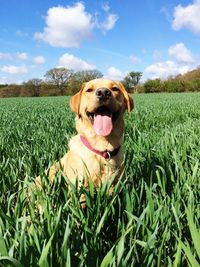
(101, 102)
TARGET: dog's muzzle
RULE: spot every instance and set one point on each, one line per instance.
(103, 94)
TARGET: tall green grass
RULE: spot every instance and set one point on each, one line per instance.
(152, 217)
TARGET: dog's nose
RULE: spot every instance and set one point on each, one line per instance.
(103, 93)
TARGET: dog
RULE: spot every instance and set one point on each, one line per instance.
(96, 151)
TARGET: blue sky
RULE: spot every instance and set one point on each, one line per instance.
(158, 38)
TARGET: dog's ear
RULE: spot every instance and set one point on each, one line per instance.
(128, 98)
(75, 100)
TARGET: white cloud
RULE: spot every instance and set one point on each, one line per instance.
(109, 23)
(110, 20)
(187, 17)
(5, 56)
(71, 62)
(167, 68)
(105, 7)
(66, 26)
(114, 74)
(22, 56)
(181, 53)
(11, 69)
(135, 60)
(39, 60)
(183, 61)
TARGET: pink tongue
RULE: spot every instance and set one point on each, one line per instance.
(102, 125)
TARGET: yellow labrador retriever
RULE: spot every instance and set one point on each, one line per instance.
(96, 151)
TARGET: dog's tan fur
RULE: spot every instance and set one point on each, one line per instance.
(80, 162)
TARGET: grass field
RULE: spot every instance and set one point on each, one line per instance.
(152, 218)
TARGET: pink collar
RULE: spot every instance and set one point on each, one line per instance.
(105, 154)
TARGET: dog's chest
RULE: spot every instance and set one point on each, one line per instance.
(101, 169)
(86, 163)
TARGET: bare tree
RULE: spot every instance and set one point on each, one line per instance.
(79, 77)
(59, 77)
(34, 86)
(87, 75)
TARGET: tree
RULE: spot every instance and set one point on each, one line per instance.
(153, 86)
(34, 86)
(59, 77)
(87, 75)
(131, 80)
(80, 77)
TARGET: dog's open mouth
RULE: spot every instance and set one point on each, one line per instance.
(102, 120)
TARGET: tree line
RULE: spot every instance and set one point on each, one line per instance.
(57, 81)
(62, 81)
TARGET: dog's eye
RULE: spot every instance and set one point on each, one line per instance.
(89, 90)
(115, 89)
